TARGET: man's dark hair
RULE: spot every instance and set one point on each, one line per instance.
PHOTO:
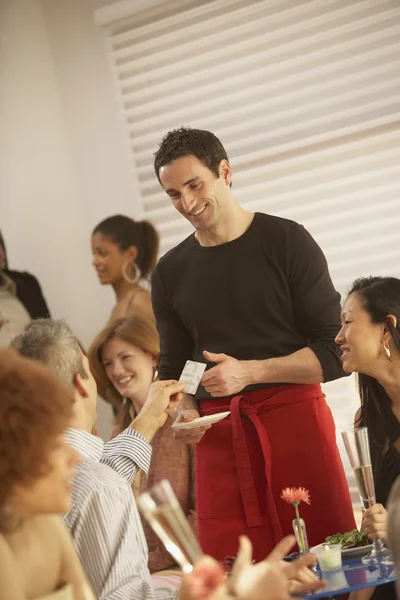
(184, 141)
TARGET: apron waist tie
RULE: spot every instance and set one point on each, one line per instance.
(239, 407)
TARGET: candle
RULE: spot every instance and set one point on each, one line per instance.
(329, 556)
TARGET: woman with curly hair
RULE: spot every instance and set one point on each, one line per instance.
(123, 359)
(37, 468)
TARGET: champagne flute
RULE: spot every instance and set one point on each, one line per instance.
(161, 509)
(357, 447)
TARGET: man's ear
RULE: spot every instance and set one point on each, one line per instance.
(225, 171)
(80, 386)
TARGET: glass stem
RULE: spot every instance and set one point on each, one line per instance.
(378, 545)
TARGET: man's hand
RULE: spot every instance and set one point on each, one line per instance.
(189, 436)
(162, 401)
(229, 377)
(374, 522)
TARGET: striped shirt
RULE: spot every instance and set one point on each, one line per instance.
(126, 453)
(104, 520)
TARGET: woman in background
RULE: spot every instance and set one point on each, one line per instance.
(370, 343)
(123, 359)
(36, 474)
(124, 255)
(21, 299)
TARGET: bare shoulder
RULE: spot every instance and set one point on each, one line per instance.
(141, 302)
(54, 534)
(10, 577)
(52, 528)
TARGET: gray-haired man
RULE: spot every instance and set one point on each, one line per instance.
(104, 519)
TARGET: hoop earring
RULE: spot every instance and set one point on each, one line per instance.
(125, 275)
(386, 351)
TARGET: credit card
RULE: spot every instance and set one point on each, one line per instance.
(191, 375)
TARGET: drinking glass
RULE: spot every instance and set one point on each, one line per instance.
(357, 447)
(161, 509)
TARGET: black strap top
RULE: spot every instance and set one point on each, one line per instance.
(385, 474)
(388, 468)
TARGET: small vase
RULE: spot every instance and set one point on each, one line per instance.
(299, 528)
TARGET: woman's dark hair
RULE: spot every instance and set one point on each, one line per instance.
(380, 297)
(126, 232)
(2, 244)
(184, 141)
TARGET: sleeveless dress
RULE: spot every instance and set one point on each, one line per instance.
(385, 475)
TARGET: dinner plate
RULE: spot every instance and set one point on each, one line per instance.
(207, 420)
(357, 551)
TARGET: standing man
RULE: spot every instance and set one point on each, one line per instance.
(251, 295)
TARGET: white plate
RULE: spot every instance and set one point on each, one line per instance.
(207, 420)
(357, 551)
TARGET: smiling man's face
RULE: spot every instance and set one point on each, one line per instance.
(195, 191)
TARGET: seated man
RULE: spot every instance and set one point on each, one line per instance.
(104, 519)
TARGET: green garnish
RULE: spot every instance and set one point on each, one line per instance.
(351, 539)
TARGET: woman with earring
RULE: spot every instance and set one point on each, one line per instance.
(123, 359)
(124, 255)
(370, 343)
(37, 468)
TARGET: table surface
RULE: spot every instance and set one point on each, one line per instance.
(354, 575)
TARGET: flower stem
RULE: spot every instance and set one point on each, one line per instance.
(300, 530)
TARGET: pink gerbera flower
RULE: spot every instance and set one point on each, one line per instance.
(296, 495)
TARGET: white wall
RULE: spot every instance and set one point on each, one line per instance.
(95, 133)
(63, 159)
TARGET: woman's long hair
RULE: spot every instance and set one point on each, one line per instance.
(137, 330)
(380, 297)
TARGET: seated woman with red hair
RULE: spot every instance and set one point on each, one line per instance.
(123, 359)
(37, 558)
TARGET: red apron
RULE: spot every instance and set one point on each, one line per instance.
(277, 437)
